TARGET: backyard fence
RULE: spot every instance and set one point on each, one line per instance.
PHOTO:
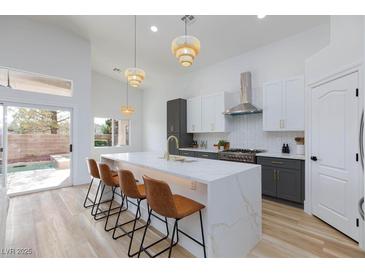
(36, 147)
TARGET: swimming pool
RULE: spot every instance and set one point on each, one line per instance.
(29, 166)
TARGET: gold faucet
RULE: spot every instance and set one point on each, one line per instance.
(167, 155)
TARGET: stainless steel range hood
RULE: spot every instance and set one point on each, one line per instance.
(245, 106)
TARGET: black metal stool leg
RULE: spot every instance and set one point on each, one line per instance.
(97, 207)
(116, 223)
(134, 229)
(177, 231)
(108, 214)
(95, 198)
(142, 248)
(201, 226)
(144, 233)
(172, 238)
(87, 195)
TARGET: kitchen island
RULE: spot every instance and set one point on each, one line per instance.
(230, 191)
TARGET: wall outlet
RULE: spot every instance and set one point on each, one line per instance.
(193, 186)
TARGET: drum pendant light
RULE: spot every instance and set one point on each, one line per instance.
(186, 47)
(135, 75)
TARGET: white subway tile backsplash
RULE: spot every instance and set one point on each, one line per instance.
(246, 132)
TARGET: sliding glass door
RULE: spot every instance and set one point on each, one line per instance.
(2, 181)
(37, 148)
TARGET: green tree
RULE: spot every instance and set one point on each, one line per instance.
(28, 120)
(107, 127)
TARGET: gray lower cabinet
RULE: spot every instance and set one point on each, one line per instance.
(187, 153)
(282, 178)
(289, 185)
(268, 180)
(199, 154)
(207, 155)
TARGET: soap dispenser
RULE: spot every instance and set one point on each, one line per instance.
(287, 149)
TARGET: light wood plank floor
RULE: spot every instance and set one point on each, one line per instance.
(54, 224)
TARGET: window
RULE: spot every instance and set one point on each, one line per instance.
(27, 81)
(111, 132)
(121, 133)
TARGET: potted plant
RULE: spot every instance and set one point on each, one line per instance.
(224, 144)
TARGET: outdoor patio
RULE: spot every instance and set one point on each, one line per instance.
(29, 181)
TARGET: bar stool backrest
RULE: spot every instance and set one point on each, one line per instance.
(128, 184)
(93, 168)
(159, 197)
(105, 174)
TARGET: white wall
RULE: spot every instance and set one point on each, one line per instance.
(35, 47)
(345, 48)
(278, 60)
(108, 95)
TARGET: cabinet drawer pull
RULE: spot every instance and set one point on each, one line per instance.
(274, 175)
(205, 155)
(282, 124)
(277, 162)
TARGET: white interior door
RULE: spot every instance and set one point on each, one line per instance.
(335, 169)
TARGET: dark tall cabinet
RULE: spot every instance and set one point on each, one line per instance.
(176, 124)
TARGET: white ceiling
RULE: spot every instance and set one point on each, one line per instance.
(221, 37)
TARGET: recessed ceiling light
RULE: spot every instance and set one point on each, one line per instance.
(153, 28)
(261, 16)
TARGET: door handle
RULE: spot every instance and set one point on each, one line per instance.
(278, 175)
(361, 209)
(361, 137)
(314, 158)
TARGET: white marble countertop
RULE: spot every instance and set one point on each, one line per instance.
(212, 150)
(200, 170)
(282, 155)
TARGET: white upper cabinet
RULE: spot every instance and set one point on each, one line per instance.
(208, 110)
(272, 106)
(194, 114)
(284, 105)
(293, 108)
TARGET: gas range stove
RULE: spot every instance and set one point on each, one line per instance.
(239, 155)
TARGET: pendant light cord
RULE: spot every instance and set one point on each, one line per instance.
(127, 95)
(8, 84)
(135, 41)
(186, 28)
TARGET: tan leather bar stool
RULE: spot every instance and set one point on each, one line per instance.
(163, 202)
(131, 190)
(107, 179)
(94, 174)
